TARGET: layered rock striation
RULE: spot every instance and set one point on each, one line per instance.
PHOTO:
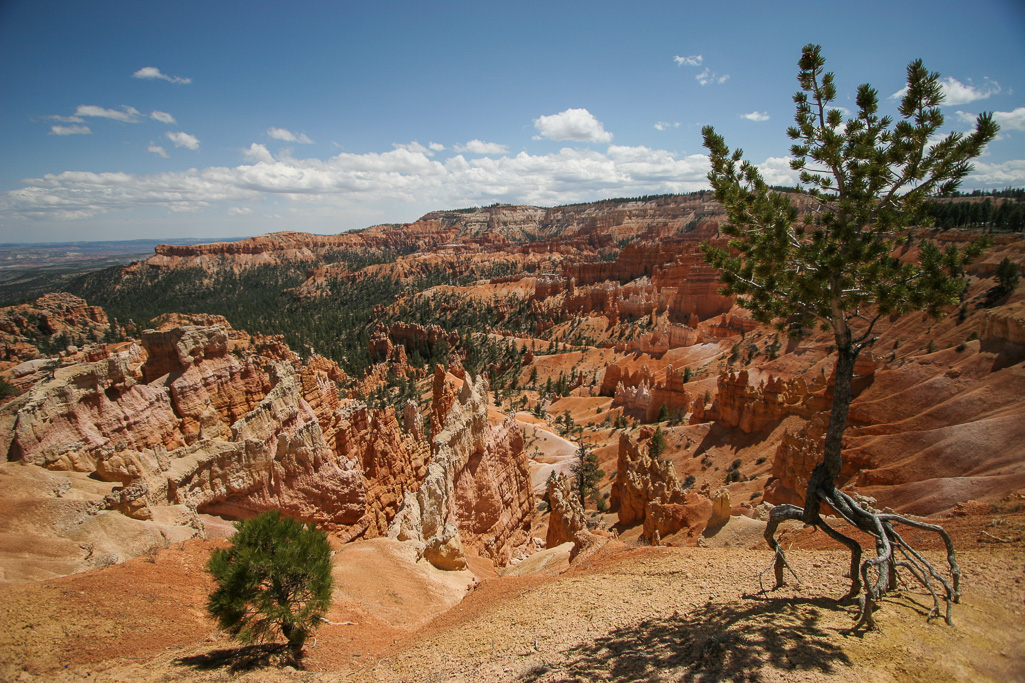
(238, 433)
(647, 491)
(477, 485)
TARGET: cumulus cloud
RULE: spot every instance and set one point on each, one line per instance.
(185, 140)
(414, 147)
(126, 114)
(709, 77)
(756, 116)
(436, 147)
(1011, 120)
(153, 73)
(1007, 120)
(1005, 174)
(257, 153)
(288, 136)
(69, 130)
(777, 171)
(693, 60)
(665, 125)
(355, 181)
(162, 116)
(157, 149)
(573, 124)
(480, 147)
(957, 93)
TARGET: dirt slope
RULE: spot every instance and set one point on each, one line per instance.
(625, 614)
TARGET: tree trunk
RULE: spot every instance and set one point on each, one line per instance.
(296, 637)
(825, 473)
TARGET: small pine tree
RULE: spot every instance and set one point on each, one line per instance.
(274, 577)
(663, 413)
(657, 444)
(1007, 276)
(588, 474)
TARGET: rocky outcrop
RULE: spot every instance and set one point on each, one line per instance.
(478, 479)
(396, 341)
(33, 330)
(752, 408)
(86, 413)
(1006, 322)
(721, 509)
(640, 392)
(197, 426)
(647, 491)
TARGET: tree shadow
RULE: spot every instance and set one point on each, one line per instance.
(240, 659)
(713, 642)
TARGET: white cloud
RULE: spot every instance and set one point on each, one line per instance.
(1007, 120)
(185, 140)
(414, 147)
(66, 119)
(777, 171)
(1011, 120)
(693, 60)
(756, 116)
(354, 182)
(126, 114)
(956, 93)
(1006, 174)
(288, 136)
(436, 147)
(257, 152)
(70, 130)
(480, 147)
(709, 77)
(240, 211)
(573, 124)
(152, 72)
(162, 116)
(665, 125)
(157, 149)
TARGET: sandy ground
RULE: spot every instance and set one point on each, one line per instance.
(627, 613)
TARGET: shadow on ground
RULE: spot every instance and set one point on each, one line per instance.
(239, 659)
(711, 643)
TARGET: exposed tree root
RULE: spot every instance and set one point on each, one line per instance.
(873, 577)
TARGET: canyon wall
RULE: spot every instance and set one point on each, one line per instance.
(195, 425)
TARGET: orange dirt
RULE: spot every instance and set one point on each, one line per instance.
(628, 613)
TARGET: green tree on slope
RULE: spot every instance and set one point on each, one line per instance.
(274, 577)
(831, 260)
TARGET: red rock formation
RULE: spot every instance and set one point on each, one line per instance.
(24, 326)
(478, 480)
(646, 491)
(1006, 322)
(752, 408)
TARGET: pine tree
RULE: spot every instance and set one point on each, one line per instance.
(657, 443)
(587, 473)
(274, 577)
(830, 260)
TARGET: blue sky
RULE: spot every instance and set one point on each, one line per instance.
(126, 120)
